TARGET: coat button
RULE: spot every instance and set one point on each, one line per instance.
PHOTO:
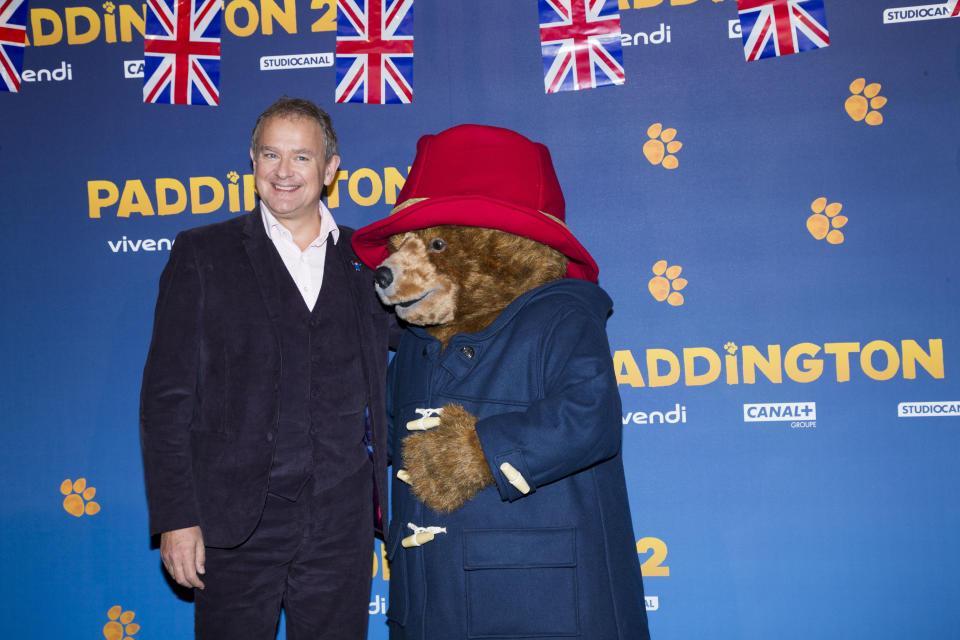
(467, 351)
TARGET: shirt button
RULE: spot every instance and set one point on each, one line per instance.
(270, 437)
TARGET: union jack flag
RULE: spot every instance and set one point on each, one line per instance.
(181, 49)
(580, 42)
(375, 51)
(772, 28)
(13, 37)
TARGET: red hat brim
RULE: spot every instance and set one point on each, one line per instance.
(370, 242)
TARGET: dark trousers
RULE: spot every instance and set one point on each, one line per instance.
(312, 556)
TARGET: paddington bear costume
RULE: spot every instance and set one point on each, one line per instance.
(560, 560)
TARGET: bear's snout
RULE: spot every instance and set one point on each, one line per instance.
(383, 276)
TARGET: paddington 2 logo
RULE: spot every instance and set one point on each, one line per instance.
(242, 18)
(803, 362)
(207, 194)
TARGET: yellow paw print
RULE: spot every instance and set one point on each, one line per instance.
(121, 625)
(108, 6)
(665, 285)
(730, 348)
(660, 144)
(79, 497)
(864, 103)
(233, 177)
(825, 223)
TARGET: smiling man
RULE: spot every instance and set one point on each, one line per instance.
(262, 421)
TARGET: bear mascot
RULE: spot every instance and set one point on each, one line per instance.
(509, 514)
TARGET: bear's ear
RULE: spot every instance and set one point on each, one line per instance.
(394, 241)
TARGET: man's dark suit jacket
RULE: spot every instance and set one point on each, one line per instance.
(209, 400)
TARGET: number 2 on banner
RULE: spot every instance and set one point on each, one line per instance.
(653, 566)
(327, 22)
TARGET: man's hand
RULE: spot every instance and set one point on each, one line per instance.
(183, 555)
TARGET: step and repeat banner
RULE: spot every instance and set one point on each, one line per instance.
(772, 193)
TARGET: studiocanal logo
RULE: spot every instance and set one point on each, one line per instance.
(923, 12)
(943, 408)
(296, 61)
(803, 362)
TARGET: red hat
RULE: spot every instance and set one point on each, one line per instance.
(478, 176)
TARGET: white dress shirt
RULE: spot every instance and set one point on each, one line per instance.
(305, 267)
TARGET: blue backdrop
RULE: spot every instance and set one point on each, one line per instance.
(786, 478)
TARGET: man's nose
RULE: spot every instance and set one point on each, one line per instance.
(383, 277)
(284, 167)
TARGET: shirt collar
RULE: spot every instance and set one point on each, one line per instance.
(328, 226)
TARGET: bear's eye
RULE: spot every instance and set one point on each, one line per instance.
(438, 244)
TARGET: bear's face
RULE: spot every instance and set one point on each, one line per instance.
(420, 293)
(454, 279)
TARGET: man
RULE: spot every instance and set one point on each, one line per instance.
(261, 421)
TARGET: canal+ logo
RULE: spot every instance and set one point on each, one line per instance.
(800, 415)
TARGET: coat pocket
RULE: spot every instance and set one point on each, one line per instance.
(521, 583)
(397, 611)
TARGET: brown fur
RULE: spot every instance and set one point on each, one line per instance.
(461, 288)
(446, 464)
(490, 268)
(417, 278)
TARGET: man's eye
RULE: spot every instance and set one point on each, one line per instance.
(438, 244)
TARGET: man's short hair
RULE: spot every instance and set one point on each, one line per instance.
(287, 107)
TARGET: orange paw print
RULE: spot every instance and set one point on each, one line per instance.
(666, 285)
(121, 625)
(661, 146)
(79, 497)
(864, 103)
(825, 223)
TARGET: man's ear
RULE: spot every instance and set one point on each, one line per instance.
(330, 170)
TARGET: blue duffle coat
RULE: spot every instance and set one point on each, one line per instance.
(560, 561)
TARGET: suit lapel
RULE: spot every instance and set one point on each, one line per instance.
(262, 256)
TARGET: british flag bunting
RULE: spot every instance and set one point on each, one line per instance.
(771, 28)
(181, 49)
(13, 37)
(375, 51)
(580, 42)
